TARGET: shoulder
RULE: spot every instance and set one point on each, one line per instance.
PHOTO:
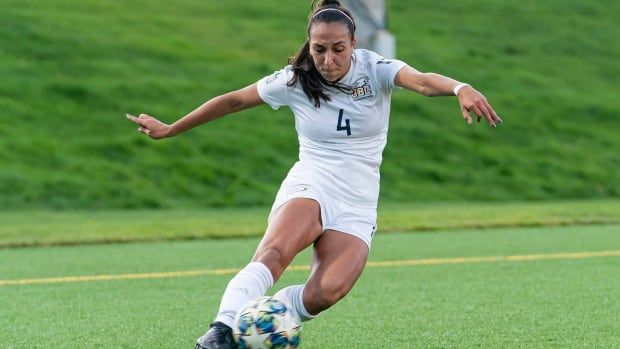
(379, 68)
(373, 58)
(368, 56)
(373, 63)
(283, 74)
(273, 89)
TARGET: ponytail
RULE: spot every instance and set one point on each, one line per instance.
(304, 69)
(324, 3)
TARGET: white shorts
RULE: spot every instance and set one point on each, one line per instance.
(335, 214)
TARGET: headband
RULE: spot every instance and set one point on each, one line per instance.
(334, 9)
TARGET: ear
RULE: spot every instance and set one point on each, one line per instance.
(353, 42)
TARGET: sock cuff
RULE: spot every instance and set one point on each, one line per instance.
(252, 281)
(261, 271)
(301, 308)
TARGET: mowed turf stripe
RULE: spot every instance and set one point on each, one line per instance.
(397, 263)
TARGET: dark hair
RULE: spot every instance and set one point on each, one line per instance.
(304, 70)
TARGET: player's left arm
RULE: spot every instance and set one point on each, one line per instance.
(432, 84)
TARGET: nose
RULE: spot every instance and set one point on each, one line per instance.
(329, 58)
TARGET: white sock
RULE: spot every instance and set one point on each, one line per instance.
(293, 296)
(251, 282)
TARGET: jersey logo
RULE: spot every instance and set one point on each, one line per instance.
(361, 89)
(273, 77)
(384, 61)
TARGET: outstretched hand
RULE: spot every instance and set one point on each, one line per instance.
(472, 101)
(150, 126)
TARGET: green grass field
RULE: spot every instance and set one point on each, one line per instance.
(566, 301)
(36, 228)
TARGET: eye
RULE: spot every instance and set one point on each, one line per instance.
(319, 49)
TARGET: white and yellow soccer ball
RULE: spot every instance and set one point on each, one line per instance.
(266, 323)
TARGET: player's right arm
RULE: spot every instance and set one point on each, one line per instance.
(217, 107)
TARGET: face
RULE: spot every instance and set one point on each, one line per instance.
(331, 47)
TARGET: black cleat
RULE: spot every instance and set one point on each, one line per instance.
(219, 336)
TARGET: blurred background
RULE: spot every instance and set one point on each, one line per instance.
(70, 70)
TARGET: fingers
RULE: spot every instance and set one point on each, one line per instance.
(473, 109)
(487, 115)
(140, 121)
(466, 115)
(132, 118)
(481, 109)
(144, 130)
(474, 102)
(491, 115)
(495, 116)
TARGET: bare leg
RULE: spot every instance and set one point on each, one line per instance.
(295, 226)
(338, 261)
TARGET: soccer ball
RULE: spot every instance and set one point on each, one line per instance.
(266, 323)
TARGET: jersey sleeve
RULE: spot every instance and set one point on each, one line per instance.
(386, 70)
(273, 89)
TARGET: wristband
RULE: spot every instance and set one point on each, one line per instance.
(458, 87)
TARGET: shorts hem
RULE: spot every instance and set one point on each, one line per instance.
(367, 241)
(281, 203)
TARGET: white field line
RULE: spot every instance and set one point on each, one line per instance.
(230, 271)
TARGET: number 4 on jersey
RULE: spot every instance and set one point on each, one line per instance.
(346, 126)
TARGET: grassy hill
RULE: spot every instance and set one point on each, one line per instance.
(70, 70)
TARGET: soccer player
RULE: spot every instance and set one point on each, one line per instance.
(340, 97)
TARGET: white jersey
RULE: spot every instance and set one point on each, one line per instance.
(341, 143)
